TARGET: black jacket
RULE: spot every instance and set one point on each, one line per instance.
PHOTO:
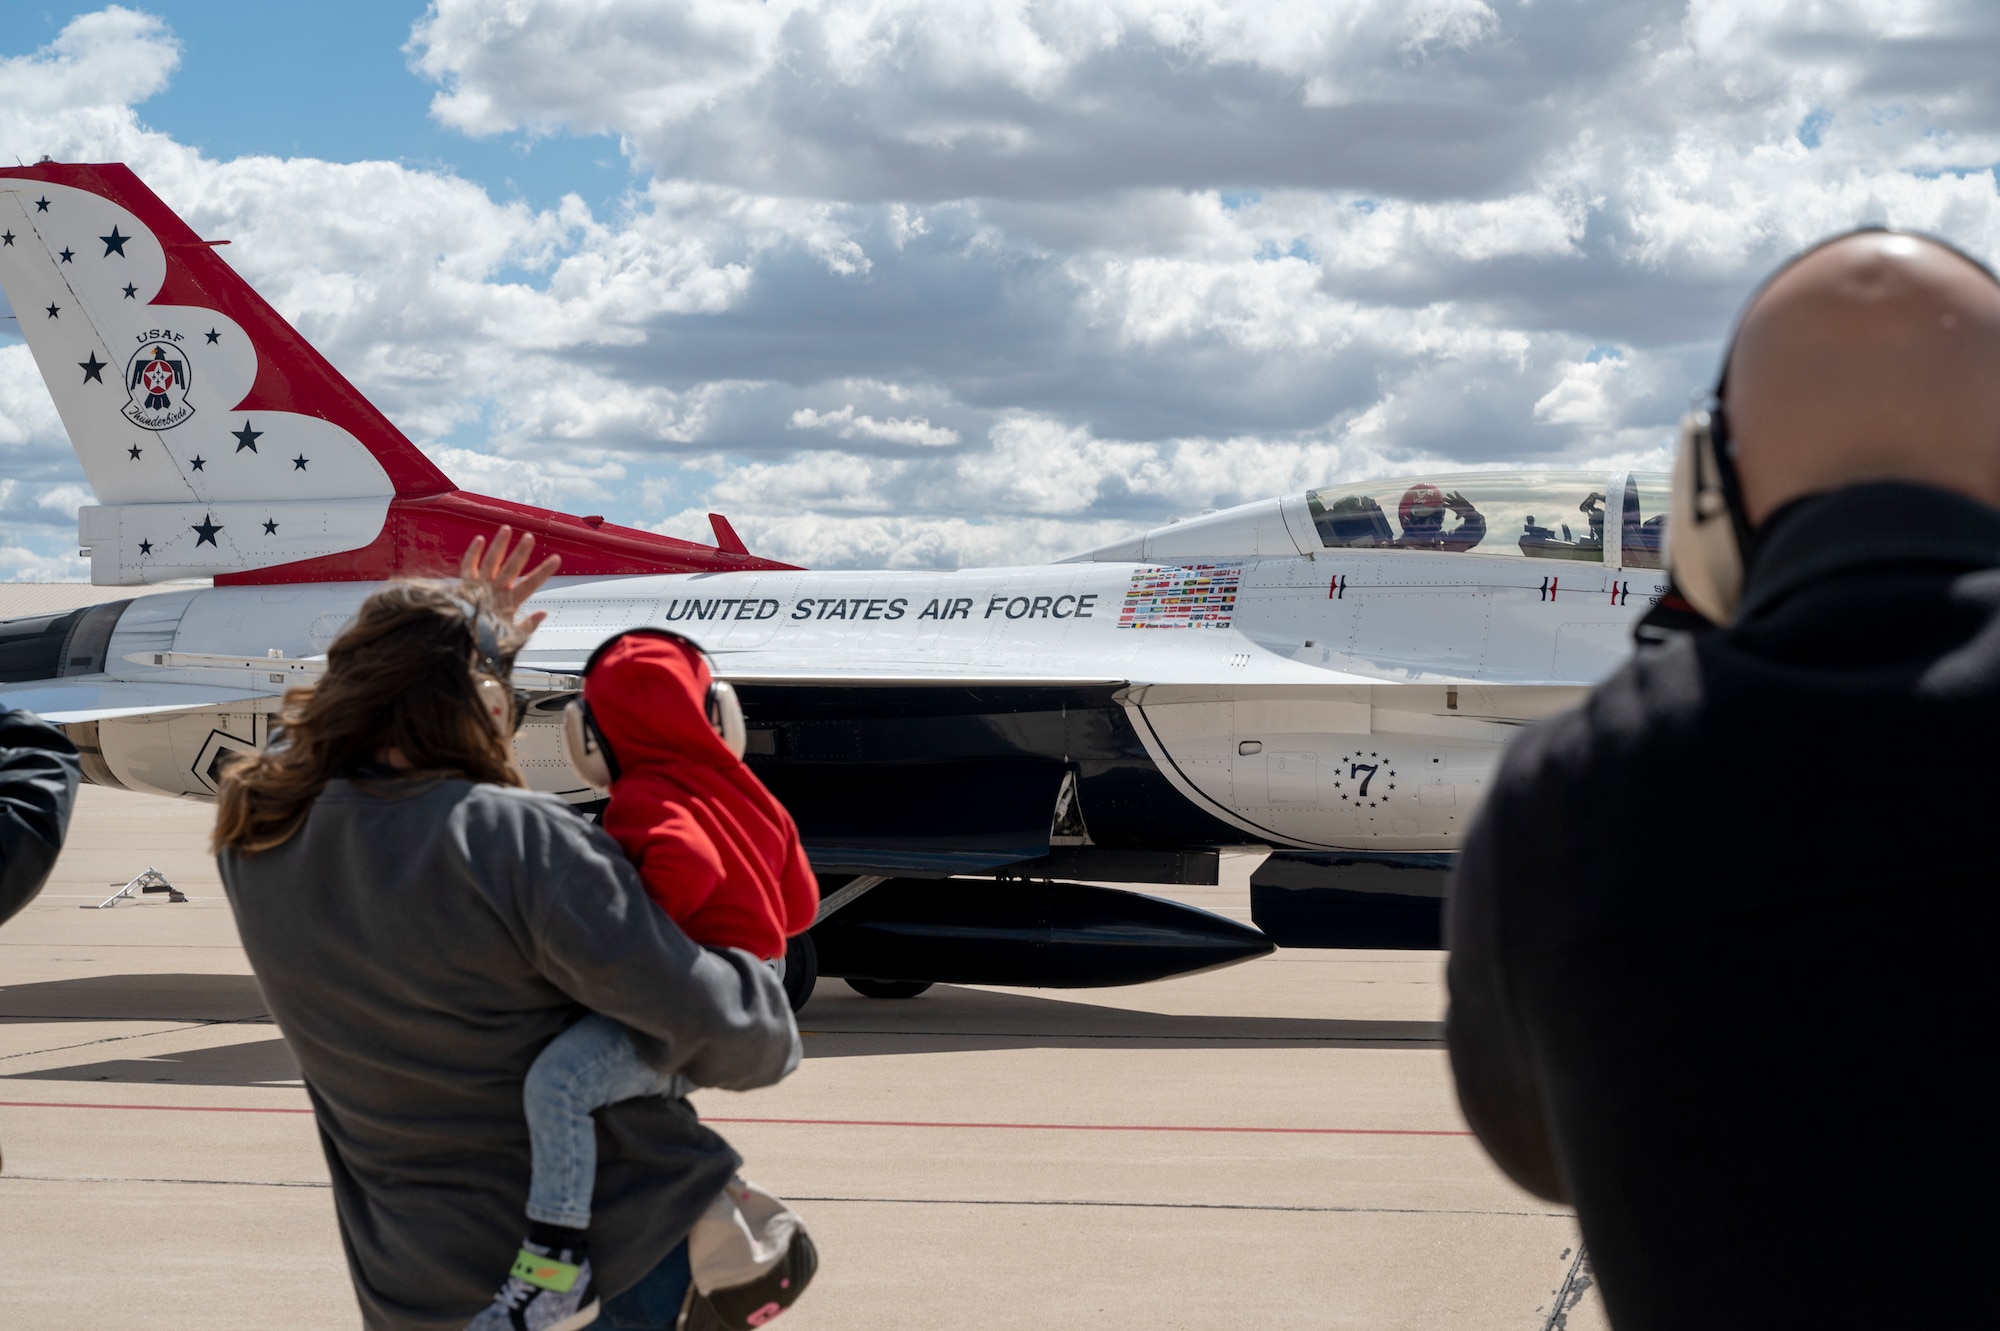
(38, 777)
(1722, 940)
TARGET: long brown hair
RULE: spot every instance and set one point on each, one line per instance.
(399, 676)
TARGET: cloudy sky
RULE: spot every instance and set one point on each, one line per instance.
(981, 281)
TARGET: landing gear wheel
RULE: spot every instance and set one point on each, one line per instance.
(887, 988)
(801, 969)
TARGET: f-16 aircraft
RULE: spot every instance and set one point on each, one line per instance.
(1330, 675)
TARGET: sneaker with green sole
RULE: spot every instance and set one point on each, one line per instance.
(544, 1292)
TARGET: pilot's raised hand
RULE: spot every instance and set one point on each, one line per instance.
(498, 569)
(1459, 504)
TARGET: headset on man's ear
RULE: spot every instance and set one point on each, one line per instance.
(591, 754)
(1709, 536)
(1708, 530)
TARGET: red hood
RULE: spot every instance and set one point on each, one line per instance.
(714, 847)
(650, 698)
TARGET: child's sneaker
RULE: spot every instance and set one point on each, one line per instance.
(544, 1292)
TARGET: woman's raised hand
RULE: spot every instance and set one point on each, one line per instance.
(498, 569)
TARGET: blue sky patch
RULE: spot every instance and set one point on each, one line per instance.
(293, 80)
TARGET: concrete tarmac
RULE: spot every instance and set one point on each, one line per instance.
(1273, 1144)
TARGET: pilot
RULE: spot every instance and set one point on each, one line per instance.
(1422, 515)
(1592, 509)
(1721, 940)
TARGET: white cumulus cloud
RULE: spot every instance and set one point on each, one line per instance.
(923, 283)
(894, 430)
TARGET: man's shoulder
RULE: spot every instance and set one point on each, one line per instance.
(1620, 733)
(1575, 797)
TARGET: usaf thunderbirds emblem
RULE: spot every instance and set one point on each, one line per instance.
(157, 380)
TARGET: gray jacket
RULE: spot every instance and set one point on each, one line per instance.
(418, 943)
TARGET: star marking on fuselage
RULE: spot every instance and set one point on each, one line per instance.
(134, 451)
(204, 534)
(145, 547)
(7, 238)
(270, 527)
(196, 462)
(299, 462)
(42, 204)
(247, 437)
(213, 337)
(67, 254)
(114, 243)
(93, 369)
(131, 292)
(55, 310)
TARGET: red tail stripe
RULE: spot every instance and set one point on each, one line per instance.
(423, 538)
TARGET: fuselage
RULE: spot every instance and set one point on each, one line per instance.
(1341, 698)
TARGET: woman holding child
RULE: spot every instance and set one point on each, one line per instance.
(423, 927)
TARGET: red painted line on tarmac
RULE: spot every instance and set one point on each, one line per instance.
(1097, 1127)
(177, 1109)
(848, 1122)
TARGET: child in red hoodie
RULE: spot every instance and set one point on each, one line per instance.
(721, 856)
(716, 849)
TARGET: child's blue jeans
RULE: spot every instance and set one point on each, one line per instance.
(588, 1066)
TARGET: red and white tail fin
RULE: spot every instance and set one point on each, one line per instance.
(218, 442)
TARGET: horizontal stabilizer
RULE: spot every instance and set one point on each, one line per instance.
(216, 539)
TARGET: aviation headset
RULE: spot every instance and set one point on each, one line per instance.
(591, 754)
(504, 705)
(1708, 529)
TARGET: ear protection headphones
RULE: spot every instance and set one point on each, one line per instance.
(1709, 536)
(504, 706)
(591, 754)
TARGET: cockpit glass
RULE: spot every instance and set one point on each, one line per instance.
(1542, 515)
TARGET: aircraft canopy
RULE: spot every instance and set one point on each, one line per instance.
(1540, 515)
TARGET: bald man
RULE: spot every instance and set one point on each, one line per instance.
(1723, 940)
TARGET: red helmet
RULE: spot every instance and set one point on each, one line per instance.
(1422, 507)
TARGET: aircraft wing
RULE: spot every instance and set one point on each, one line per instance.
(67, 701)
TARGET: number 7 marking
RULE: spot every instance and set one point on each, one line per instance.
(1363, 767)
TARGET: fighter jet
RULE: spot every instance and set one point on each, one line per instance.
(1329, 675)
